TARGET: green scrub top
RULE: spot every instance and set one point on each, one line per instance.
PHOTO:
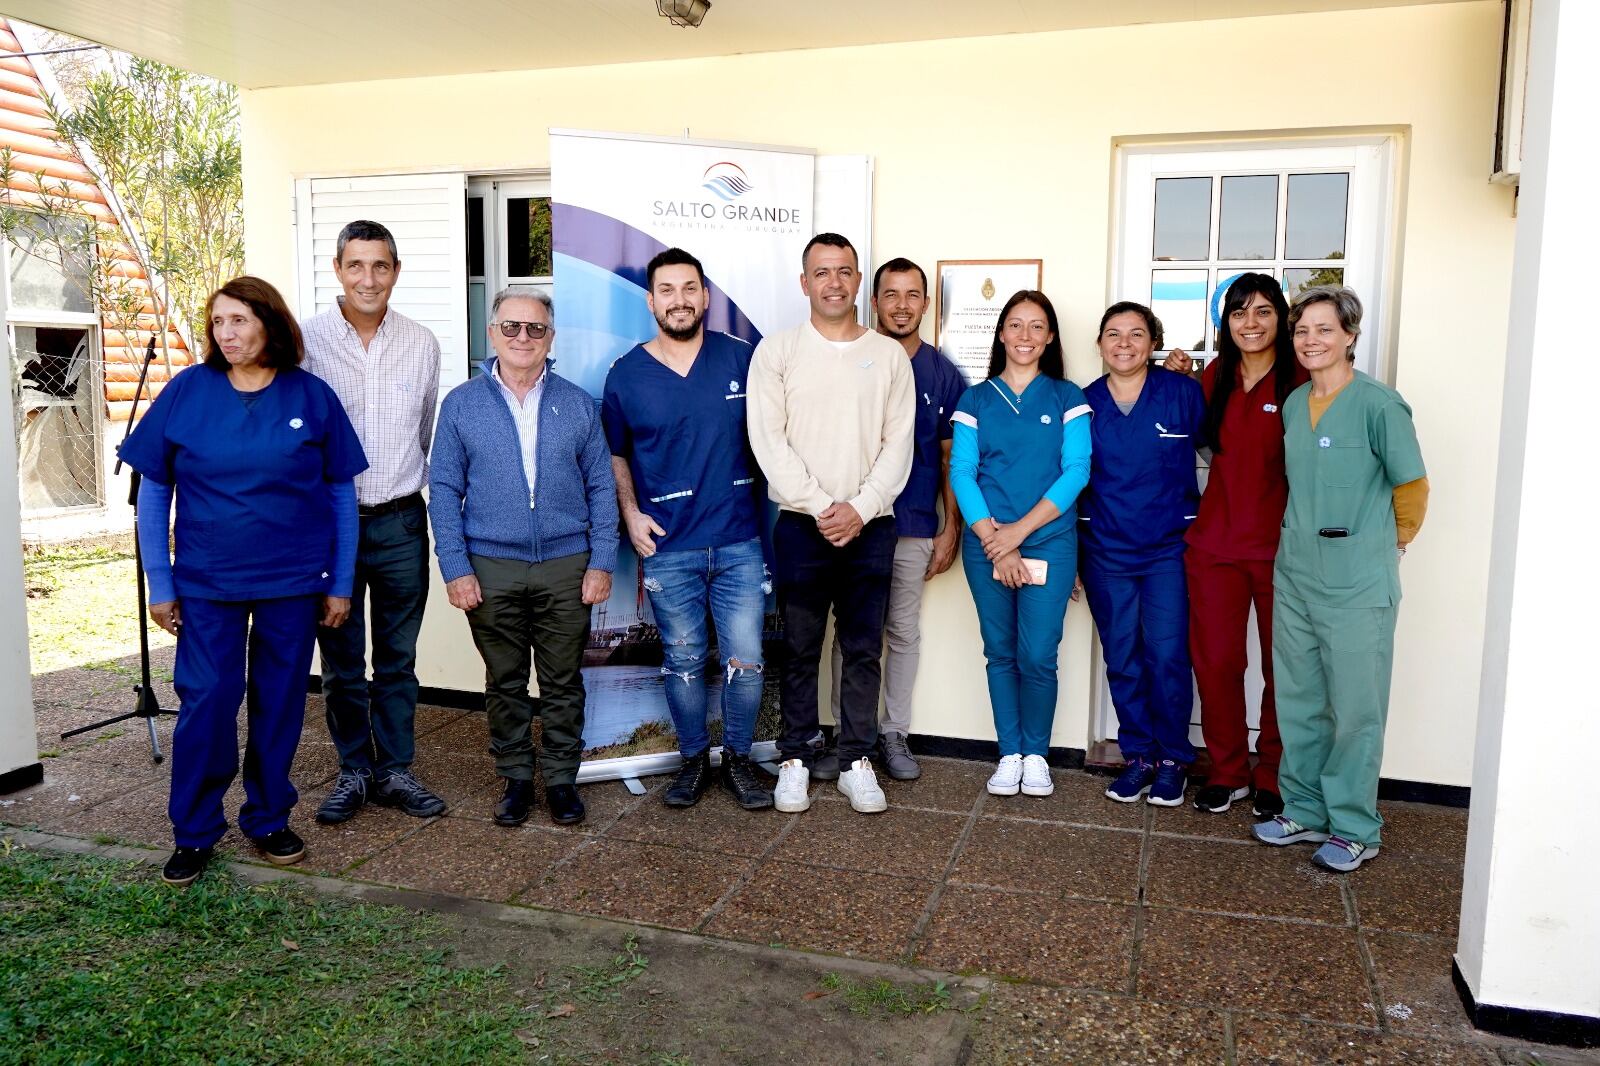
(1343, 475)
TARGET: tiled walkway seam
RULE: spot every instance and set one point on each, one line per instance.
(1347, 890)
(749, 874)
(1140, 904)
(920, 930)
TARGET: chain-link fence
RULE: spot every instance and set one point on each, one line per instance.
(59, 408)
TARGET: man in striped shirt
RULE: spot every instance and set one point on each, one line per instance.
(385, 369)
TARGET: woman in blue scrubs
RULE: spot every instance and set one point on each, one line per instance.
(1019, 458)
(1142, 496)
(263, 462)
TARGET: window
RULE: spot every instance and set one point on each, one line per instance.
(50, 263)
(1193, 220)
(508, 245)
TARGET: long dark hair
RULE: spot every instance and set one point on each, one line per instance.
(284, 348)
(1229, 357)
(1052, 364)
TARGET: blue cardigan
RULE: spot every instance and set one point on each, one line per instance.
(478, 493)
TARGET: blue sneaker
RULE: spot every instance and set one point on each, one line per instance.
(1342, 856)
(1283, 830)
(1134, 782)
(1171, 779)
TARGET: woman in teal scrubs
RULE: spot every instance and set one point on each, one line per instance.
(1357, 494)
(1018, 459)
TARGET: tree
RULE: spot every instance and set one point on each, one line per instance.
(166, 143)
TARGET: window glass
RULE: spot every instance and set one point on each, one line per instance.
(1178, 297)
(50, 263)
(1298, 279)
(1249, 225)
(1183, 218)
(1316, 222)
(475, 236)
(528, 237)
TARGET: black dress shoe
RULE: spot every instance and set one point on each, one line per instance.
(739, 778)
(282, 848)
(565, 806)
(185, 865)
(515, 802)
(694, 777)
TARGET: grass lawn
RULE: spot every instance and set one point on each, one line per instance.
(101, 962)
(82, 608)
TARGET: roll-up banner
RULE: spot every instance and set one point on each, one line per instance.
(746, 212)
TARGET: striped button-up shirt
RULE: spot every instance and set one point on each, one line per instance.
(390, 391)
(525, 412)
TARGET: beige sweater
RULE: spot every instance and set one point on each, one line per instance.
(829, 425)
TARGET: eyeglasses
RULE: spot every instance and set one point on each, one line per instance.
(537, 331)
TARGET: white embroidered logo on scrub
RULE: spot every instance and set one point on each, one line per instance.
(295, 423)
(1045, 419)
(1325, 443)
(733, 386)
(867, 364)
(1270, 408)
(928, 400)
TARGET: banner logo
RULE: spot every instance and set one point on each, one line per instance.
(727, 181)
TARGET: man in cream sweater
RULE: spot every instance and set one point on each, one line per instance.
(831, 411)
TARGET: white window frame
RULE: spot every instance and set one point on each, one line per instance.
(1371, 242)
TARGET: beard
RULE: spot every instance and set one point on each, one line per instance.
(896, 332)
(685, 333)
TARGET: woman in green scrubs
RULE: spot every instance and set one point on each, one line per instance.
(1357, 492)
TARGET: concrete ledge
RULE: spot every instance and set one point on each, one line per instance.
(22, 777)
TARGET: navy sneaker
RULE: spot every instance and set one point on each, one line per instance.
(399, 789)
(348, 795)
(1167, 789)
(1134, 782)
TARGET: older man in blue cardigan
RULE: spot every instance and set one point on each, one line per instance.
(524, 512)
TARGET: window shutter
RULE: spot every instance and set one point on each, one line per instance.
(427, 215)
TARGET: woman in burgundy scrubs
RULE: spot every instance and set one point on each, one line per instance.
(1232, 543)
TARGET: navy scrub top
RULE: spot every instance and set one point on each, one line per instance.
(685, 442)
(1143, 491)
(255, 512)
(939, 387)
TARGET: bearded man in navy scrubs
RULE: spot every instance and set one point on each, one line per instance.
(674, 414)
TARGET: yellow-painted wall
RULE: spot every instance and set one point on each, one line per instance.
(1003, 147)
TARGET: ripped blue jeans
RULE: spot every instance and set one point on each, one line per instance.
(730, 585)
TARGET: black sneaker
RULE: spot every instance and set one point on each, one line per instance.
(694, 777)
(348, 795)
(282, 848)
(399, 789)
(1268, 804)
(1218, 798)
(185, 865)
(739, 778)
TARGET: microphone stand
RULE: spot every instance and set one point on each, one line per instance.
(146, 705)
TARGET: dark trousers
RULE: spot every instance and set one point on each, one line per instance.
(372, 723)
(537, 606)
(812, 577)
(1220, 594)
(257, 652)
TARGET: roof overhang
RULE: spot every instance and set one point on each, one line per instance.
(266, 43)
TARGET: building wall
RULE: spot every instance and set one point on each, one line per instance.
(1004, 147)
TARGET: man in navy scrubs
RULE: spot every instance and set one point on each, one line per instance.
(674, 415)
(923, 550)
(385, 370)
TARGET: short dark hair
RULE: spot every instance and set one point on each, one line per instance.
(672, 257)
(365, 230)
(1052, 361)
(899, 265)
(284, 348)
(1158, 335)
(831, 240)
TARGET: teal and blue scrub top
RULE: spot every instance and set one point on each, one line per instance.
(255, 508)
(685, 442)
(1342, 477)
(1010, 451)
(1143, 490)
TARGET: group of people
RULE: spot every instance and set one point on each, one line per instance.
(297, 454)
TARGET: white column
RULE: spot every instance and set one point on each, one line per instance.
(19, 750)
(1530, 907)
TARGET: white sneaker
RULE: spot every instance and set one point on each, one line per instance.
(793, 793)
(1036, 780)
(1006, 777)
(860, 786)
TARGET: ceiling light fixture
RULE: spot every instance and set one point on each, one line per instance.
(683, 12)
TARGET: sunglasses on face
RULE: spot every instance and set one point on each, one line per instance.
(537, 331)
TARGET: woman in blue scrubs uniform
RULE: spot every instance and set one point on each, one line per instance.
(263, 460)
(1142, 495)
(1019, 458)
